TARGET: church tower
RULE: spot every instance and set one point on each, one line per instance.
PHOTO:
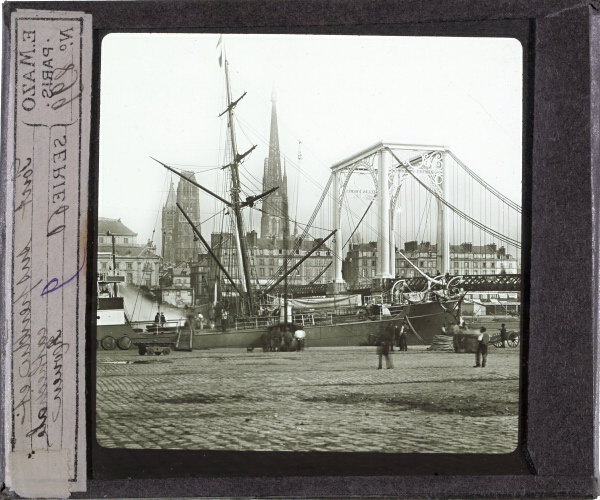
(169, 214)
(178, 237)
(188, 198)
(272, 221)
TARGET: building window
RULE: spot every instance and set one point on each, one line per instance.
(262, 271)
(129, 265)
(271, 263)
(100, 239)
(129, 277)
(271, 271)
(125, 240)
(104, 265)
(374, 263)
(261, 262)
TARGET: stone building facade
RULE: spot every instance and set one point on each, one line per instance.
(139, 264)
(266, 258)
(360, 265)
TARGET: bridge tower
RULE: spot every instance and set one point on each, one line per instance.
(389, 164)
(443, 226)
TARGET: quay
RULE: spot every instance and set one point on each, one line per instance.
(320, 399)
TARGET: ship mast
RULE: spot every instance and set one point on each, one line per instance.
(235, 192)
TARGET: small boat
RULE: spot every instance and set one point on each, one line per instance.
(115, 330)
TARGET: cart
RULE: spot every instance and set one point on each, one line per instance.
(154, 348)
(512, 339)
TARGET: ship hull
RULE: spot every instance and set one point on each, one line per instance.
(426, 319)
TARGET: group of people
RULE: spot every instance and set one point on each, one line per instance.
(397, 335)
(218, 312)
(282, 339)
(390, 336)
(160, 319)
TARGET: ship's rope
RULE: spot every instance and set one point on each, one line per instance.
(413, 329)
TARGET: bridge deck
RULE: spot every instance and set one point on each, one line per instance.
(470, 283)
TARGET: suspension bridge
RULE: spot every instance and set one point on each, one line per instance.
(423, 198)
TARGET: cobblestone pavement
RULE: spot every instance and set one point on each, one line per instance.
(321, 399)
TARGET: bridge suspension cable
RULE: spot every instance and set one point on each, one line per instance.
(460, 213)
(299, 241)
(485, 185)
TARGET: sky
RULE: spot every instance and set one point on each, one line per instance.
(161, 95)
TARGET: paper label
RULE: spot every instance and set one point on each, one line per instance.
(48, 171)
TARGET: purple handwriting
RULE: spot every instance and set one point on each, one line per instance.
(54, 282)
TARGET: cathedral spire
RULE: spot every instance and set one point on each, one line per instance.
(273, 204)
(171, 197)
(274, 154)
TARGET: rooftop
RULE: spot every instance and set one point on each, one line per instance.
(128, 251)
(113, 226)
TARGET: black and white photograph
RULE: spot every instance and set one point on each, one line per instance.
(309, 243)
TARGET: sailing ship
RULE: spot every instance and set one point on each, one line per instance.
(340, 319)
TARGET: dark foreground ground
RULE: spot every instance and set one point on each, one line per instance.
(321, 399)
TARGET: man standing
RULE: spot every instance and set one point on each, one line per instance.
(224, 319)
(503, 335)
(482, 348)
(300, 335)
(287, 340)
(397, 337)
(389, 334)
(403, 345)
(266, 342)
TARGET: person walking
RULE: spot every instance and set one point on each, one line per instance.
(383, 349)
(482, 348)
(503, 335)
